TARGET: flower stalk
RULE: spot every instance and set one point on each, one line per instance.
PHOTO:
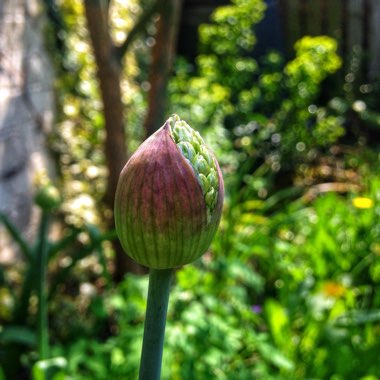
(42, 313)
(47, 198)
(155, 321)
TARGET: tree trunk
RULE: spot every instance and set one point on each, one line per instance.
(162, 60)
(109, 71)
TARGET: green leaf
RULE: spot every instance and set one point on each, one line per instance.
(12, 230)
(278, 323)
(358, 317)
(18, 334)
(50, 369)
(57, 247)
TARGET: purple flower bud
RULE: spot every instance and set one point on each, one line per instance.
(169, 200)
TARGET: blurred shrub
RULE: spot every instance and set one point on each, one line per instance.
(320, 262)
(213, 329)
(270, 110)
(262, 117)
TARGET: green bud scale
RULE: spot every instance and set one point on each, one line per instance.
(169, 198)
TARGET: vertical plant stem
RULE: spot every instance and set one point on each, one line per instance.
(42, 315)
(155, 321)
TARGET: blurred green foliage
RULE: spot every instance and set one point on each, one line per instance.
(295, 297)
(270, 107)
(290, 287)
(321, 299)
(20, 329)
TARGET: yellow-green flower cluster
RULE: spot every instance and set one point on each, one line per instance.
(199, 157)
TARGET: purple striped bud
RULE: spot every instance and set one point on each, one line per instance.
(169, 198)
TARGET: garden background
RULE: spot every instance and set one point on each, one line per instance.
(287, 95)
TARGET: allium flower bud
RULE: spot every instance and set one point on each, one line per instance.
(48, 197)
(169, 198)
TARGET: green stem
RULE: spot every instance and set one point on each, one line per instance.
(42, 315)
(155, 321)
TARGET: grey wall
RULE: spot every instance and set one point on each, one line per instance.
(26, 109)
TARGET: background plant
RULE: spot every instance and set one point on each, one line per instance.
(24, 334)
